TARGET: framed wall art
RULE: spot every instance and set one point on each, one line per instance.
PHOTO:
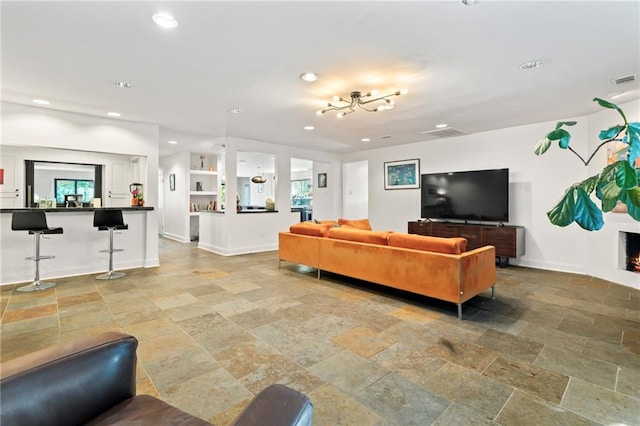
(322, 180)
(403, 174)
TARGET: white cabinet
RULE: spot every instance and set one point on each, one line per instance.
(118, 190)
(9, 191)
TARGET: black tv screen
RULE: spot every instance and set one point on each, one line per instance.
(480, 195)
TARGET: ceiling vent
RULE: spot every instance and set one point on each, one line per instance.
(624, 80)
(447, 132)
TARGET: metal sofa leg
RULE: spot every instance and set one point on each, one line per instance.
(459, 311)
(493, 292)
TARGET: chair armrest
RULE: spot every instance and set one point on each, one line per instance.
(277, 405)
(68, 383)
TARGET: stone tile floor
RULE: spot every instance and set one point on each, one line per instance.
(553, 348)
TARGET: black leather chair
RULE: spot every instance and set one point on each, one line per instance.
(109, 220)
(34, 221)
(92, 380)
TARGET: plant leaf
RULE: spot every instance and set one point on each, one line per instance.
(608, 172)
(564, 213)
(588, 215)
(589, 184)
(626, 176)
(608, 204)
(609, 189)
(560, 135)
(633, 136)
(632, 200)
(565, 123)
(634, 196)
(606, 104)
(542, 146)
(611, 132)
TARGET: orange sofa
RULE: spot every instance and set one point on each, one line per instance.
(430, 266)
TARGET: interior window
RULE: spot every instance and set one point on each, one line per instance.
(49, 180)
(80, 188)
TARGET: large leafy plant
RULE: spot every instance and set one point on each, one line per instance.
(617, 182)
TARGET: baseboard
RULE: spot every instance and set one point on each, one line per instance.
(174, 237)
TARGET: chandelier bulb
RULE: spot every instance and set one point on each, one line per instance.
(404, 91)
(319, 112)
(374, 92)
(337, 98)
(340, 115)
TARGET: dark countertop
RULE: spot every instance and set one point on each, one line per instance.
(252, 211)
(77, 209)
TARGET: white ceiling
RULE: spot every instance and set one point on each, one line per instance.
(460, 64)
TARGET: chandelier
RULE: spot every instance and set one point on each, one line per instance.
(344, 106)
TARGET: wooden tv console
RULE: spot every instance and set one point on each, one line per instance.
(508, 240)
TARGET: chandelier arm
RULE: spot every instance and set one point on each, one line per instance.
(367, 109)
(385, 97)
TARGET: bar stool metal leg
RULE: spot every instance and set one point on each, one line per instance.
(111, 274)
(37, 285)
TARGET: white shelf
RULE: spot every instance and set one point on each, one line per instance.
(194, 213)
(203, 193)
(203, 172)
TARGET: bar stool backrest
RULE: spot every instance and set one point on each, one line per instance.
(108, 218)
(28, 220)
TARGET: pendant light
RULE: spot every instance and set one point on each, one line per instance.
(259, 178)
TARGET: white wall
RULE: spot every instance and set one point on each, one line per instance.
(176, 211)
(41, 127)
(251, 232)
(536, 184)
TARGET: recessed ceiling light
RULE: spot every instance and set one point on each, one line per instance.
(309, 127)
(122, 84)
(235, 110)
(532, 64)
(164, 20)
(41, 102)
(441, 126)
(309, 76)
(172, 142)
(365, 140)
(114, 114)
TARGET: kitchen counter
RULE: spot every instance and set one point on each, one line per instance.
(76, 209)
(77, 250)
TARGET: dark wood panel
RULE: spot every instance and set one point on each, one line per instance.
(508, 240)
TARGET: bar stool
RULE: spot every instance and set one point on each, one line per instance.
(109, 220)
(34, 221)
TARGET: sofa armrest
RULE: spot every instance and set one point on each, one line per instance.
(277, 405)
(68, 383)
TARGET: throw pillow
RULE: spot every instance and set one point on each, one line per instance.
(358, 224)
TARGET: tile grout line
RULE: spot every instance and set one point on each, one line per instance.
(504, 405)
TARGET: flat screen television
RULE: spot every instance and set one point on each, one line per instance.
(479, 195)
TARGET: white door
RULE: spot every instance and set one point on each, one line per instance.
(9, 191)
(118, 191)
(355, 203)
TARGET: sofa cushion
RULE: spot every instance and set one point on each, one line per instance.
(359, 235)
(422, 242)
(310, 228)
(358, 224)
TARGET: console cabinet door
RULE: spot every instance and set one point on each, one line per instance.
(507, 240)
(473, 234)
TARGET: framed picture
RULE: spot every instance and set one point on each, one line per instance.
(172, 182)
(403, 174)
(322, 180)
(260, 188)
